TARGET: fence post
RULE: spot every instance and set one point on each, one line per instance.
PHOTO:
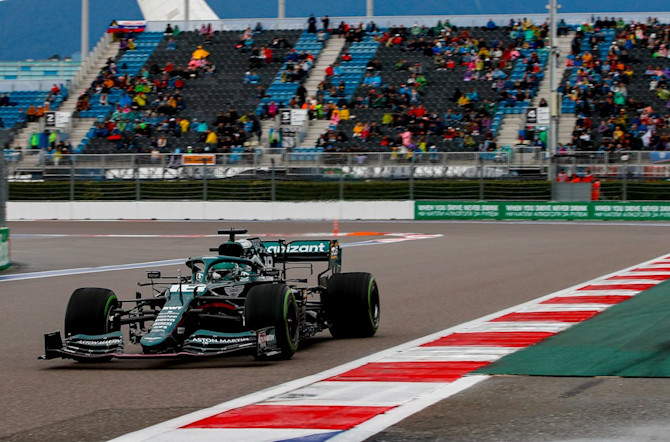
(481, 177)
(71, 179)
(624, 194)
(273, 184)
(341, 184)
(411, 179)
(204, 179)
(136, 172)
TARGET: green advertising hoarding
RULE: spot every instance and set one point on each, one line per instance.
(542, 210)
(4, 248)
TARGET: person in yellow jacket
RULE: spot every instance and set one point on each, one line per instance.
(34, 141)
(184, 124)
(345, 114)
(200, 53)
(53, 138)
(211, 138)
(140, 99)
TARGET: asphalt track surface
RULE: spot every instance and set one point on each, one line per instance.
(472, 270)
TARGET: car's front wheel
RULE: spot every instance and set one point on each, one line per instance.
(273, 305)
(90, 312)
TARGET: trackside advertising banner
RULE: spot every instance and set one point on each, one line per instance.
(541, 210)
(4, 248)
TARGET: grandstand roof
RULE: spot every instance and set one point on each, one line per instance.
(24, 23)
(166, 10)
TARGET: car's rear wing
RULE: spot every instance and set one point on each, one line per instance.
(306, 250)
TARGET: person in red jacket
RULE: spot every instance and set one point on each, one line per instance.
(595, 191)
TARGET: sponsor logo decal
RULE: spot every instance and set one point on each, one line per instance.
(298, 248)
(267, 340)
(168, 316)
(152, 338)
(234, 290)
(98, 343)
(334, 252)
(215, 340)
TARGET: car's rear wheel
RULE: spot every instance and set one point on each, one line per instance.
(351, 303)
(90, 312)
(273, 305)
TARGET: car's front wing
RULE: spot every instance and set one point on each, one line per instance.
(202, 343)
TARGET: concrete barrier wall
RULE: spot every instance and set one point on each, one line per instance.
(179, 210)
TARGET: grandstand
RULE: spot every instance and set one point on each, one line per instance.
(420, 107)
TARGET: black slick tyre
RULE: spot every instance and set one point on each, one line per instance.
(351, 303)
(89, 312)
(273, 305)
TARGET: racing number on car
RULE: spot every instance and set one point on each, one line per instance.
(269, 262)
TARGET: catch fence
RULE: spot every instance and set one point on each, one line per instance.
(523, 174)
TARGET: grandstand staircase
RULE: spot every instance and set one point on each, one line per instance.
(508, 135)
(80, 126)
(329, 54)
(316, 128)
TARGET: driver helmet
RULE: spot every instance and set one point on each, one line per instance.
(224, 270)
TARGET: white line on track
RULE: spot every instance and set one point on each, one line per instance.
(82, 270)
(383, 238)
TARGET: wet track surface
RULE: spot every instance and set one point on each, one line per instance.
(472, 270)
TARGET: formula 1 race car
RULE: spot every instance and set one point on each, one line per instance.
(235, 302)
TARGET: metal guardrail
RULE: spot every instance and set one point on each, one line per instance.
(31, 70)
(300, 161)
(299, 176)
(514, 161)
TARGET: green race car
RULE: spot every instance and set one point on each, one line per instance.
(237, 301)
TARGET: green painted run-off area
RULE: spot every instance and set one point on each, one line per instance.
(630, 339)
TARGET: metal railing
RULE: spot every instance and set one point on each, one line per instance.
(298, 161)
(636, 163)
(38, 70)
(329, 175)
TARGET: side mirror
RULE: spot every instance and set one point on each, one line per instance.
(153, 274)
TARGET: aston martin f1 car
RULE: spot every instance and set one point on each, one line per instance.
(238, 300)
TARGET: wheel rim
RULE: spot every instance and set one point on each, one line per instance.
(109, 315)
(373, 302)
(292, 328)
